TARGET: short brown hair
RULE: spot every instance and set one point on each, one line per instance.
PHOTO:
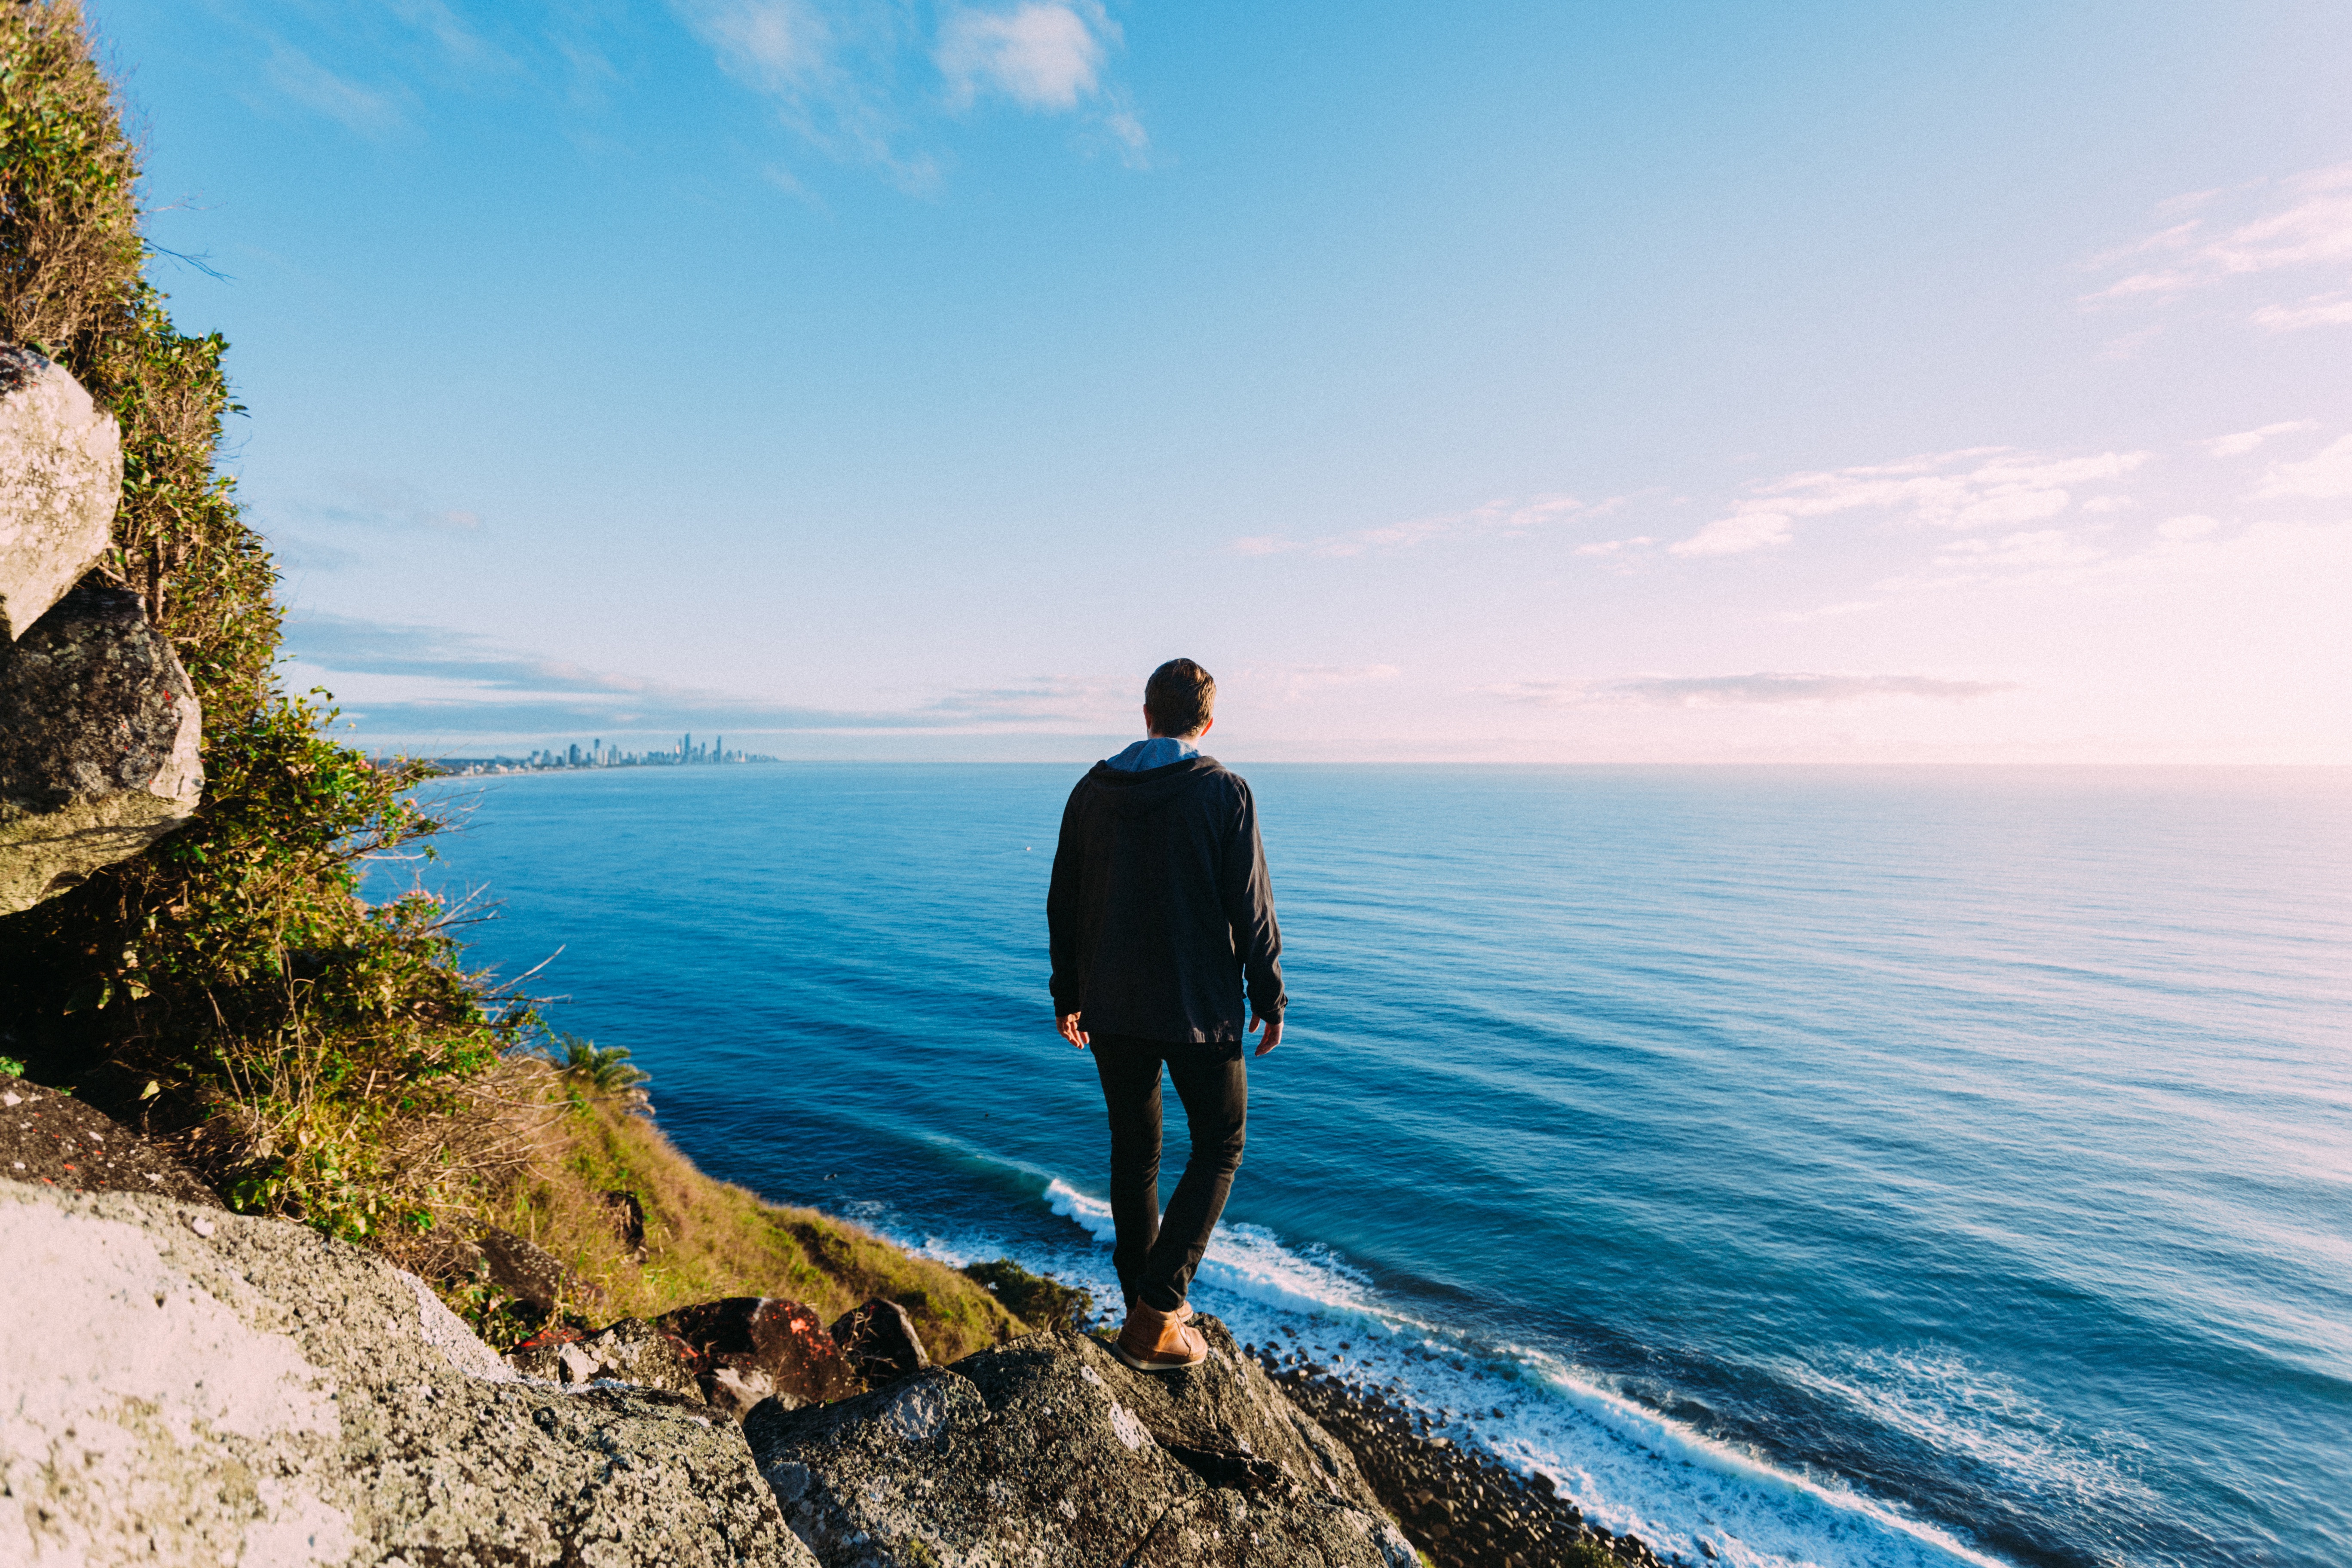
(1179, 697)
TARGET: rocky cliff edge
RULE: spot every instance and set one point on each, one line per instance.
(181, 1384)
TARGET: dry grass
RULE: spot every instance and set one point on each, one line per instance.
(705, 1239)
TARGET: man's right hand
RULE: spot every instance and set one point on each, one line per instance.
(1072, 1033)
(1272, 1028)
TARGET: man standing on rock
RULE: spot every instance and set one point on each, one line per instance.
(1160, 912)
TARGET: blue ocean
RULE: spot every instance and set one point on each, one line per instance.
(1803, 1166)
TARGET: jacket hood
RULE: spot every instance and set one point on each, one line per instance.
(1141, 794)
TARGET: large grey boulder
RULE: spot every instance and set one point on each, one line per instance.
(184, 1385)
(60, 479)
(99, 730)
(1026, 1456)
(1228, 1422)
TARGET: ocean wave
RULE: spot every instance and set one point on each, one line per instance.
(1956, 1405)
(1628, 1466)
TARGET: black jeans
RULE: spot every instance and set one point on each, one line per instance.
(1156, 1253)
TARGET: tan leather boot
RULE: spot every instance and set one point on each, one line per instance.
(1160, 1342)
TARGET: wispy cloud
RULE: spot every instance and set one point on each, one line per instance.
(464, 47)
(2244, 441)
(371, 111)
(2325, 476)
(1748, 527)
(832, 71)
(419, 682)
(321, 524)
(778, 45)
(2013, 552)
(857, 81)
(2270, 230)
(1985, 487)
(1765, 689)
(1042, 54)
(1509, 517)
(1054, 701)
(2318, 310)
(379, 647)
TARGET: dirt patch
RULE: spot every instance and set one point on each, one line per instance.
(48, 1138)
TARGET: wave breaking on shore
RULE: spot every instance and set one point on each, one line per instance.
(1632, 1468)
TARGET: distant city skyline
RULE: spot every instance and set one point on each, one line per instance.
(1524, 382)
(683, 752)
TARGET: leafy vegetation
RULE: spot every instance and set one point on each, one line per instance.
(321, 1057)
(318, 1056)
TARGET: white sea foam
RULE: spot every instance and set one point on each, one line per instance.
(1627, 1466)
(1950, 1402)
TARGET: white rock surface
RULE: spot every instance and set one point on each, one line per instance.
(60, 481)
(263, 1396)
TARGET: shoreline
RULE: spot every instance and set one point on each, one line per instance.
(1463, 1503)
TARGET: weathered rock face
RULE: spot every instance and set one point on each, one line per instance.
(745, 1348)
(1027, 1455)
(631, 1351)
(99, 730)
(60, 479)
(186, 1385)
(879, 1341)
(1226, 1420)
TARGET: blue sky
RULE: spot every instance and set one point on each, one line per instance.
(1515, 383)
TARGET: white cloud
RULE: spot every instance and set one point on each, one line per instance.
(1128, 131)
(2328, 475)
(1765, 689)
(2192, 526)
(778, 45)
(1042, 54)
(313, 86)
(828, 67)
(463, 46)
(2245, 441)
(2319, 311)
(2301, 223)
(843, 73)
(1736, 534)
(1982, 487)
(1507, 517)
(2043, 547)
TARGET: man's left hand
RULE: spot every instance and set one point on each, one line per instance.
(1272, 1028)
(1077, 1037)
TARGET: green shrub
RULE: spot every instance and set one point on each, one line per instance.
(605, 1070)
(319, 1057)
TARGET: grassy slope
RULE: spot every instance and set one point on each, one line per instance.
(706, 1239)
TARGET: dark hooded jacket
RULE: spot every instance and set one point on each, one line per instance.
(1160, 907)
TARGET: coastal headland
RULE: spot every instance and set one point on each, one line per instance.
(202, 1383)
